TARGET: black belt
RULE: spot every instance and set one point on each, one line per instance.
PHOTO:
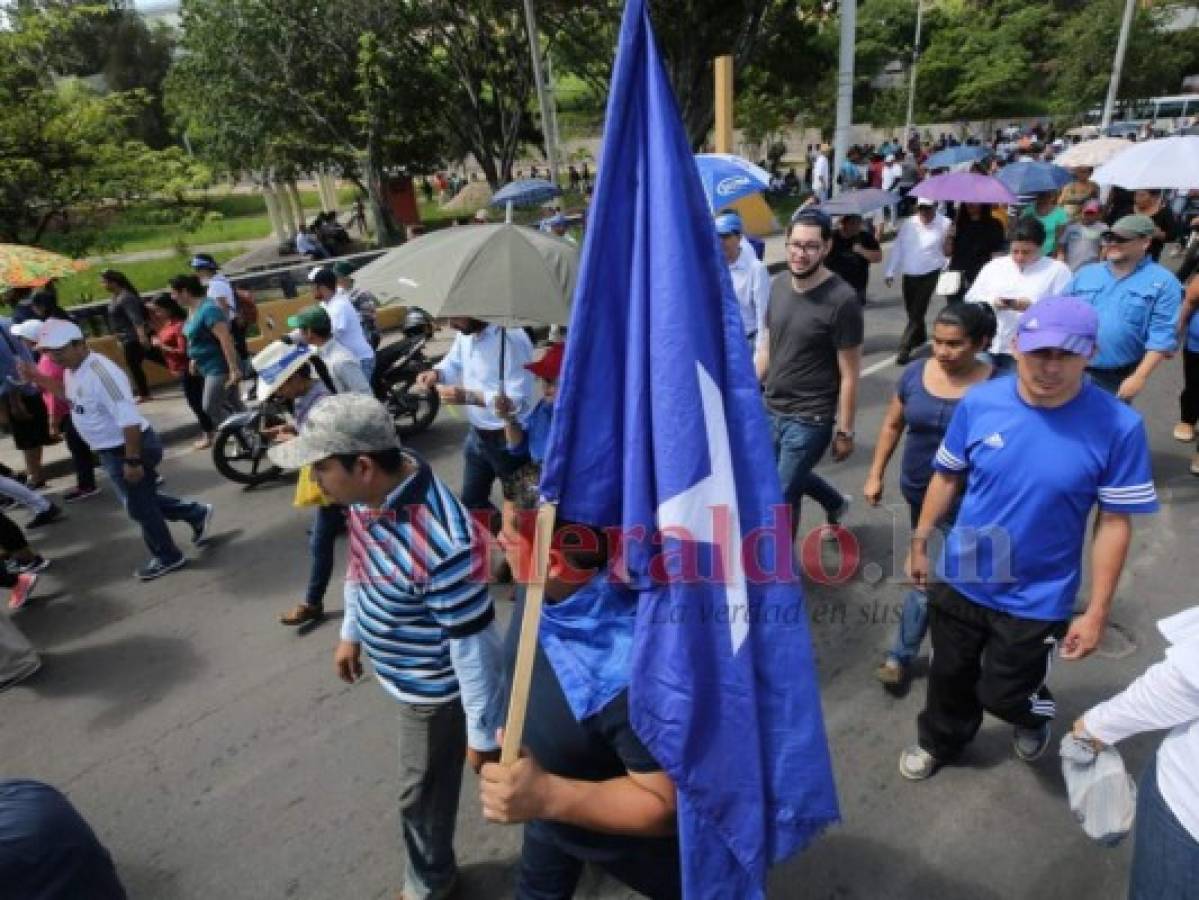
(490, 435)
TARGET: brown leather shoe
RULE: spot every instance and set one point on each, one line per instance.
(302, 614)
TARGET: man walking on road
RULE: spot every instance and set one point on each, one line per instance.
(316, 330)
(751, 278)
(809, 357)
(1034, 454)
(1138, 302)
(469, 375)
(919, 256)
(104, 413)
(347, 327)
(414, 602)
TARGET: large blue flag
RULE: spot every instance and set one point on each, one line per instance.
(659, 428)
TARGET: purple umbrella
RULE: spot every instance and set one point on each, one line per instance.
(964, 187)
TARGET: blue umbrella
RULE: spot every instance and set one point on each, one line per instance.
(1026, 178)
(859, 203)
(727, 178)
(526, 192)
(952, 156)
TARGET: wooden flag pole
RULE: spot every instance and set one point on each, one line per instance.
(522, 675)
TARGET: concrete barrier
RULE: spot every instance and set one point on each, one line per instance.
(272, 325)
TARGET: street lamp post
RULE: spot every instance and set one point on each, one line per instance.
(849, 24)
(543, 100)
(907, 124)
(1113, 86)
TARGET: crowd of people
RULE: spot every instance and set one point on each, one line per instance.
(1038, 355)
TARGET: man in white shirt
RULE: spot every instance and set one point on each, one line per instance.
(316, 331)
(470, 375)
(751, 278)
(821, 179)
(918, 254)
(1013, 283)
(347, 327)
(892, 172)
(104, 414)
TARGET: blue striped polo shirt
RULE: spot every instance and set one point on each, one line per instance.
(413, 584)
(1033, 475)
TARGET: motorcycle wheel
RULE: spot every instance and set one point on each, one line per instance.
(413, 413)
(241, 457)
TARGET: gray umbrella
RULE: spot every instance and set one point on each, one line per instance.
(501, 273)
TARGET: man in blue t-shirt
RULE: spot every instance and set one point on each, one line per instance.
(1034, 455)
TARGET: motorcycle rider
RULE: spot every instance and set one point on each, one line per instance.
(315, 329)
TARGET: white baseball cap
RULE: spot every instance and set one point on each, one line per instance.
(30, 329)
(57, 333)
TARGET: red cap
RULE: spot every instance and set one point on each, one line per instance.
(550, 364)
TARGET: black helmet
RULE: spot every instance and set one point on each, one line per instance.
(417, 322)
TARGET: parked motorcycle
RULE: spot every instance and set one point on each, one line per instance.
(396, 368)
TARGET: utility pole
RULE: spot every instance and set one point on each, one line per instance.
(1113, 86)
(849, 24)
(907, 124)
(543, 100)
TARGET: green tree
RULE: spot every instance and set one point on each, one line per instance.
(68, 150)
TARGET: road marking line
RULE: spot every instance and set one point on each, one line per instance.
(889, 360)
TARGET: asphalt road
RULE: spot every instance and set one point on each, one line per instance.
(218, 756)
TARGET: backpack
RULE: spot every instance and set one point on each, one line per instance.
(247, 309)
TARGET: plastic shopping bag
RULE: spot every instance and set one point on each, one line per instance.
(1103, 796)
(308, 492)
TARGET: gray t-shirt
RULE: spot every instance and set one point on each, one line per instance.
(806, 331)
(1080, 243)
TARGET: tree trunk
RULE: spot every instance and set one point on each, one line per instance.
(387, 231)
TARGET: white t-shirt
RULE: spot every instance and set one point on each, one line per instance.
(1002, 278)
(820, 173)
(891, 175)
(101, 402)
(220, 290)
(347, 327)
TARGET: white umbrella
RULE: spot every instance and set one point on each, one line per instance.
(1090, 154)
(1161, 164)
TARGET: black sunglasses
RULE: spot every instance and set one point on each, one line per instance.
(1113, 238)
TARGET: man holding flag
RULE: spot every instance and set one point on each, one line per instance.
(674, 457)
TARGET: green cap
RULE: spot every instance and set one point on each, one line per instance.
(1135, 226)
(310, 317)
(343, 269)
(339, 424)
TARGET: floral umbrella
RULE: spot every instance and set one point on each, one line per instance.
(22, 266)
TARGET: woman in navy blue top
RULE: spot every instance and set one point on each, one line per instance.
(925, 398)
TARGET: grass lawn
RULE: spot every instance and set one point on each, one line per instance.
(147, 276)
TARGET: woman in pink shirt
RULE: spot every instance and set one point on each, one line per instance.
(59, 411)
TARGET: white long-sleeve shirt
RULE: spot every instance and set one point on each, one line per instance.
(751, 284)
(1002, 278)
(347, 327)
(474, 363)
(1165, 696)
(918, 248)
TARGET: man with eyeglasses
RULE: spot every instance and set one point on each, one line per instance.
(809, 356)
(1138, 302)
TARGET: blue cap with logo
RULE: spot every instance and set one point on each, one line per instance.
(729, 223)
(1060, 323)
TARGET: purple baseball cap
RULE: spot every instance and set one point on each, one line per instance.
(1062, 323)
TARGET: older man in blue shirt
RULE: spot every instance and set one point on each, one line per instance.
(1138, 303)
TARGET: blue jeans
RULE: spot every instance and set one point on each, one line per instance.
(327, 524)
(1165, 858)
(798, 445)
(913, 618)
(486, 458)
(148, 508)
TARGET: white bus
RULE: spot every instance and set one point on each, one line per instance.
(1162, 113)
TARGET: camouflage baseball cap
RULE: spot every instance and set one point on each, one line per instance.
(342, 423)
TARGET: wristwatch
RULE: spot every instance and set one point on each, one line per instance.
(845, 435)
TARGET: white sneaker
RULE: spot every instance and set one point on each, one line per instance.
(916, 763)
